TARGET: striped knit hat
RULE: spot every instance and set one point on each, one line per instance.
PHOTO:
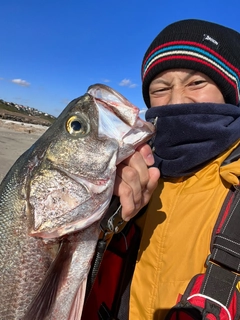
(198, 45)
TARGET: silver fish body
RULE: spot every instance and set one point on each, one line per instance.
(51, 202)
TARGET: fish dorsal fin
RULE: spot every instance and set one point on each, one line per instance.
(44, 300)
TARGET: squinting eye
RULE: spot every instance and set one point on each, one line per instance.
(197, 82)
(78, 126)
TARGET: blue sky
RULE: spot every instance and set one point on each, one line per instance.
(52, 50)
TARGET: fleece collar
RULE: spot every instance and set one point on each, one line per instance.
(188, 136)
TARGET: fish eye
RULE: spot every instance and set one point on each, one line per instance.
(77, 126)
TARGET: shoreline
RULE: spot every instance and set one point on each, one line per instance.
(15, 139)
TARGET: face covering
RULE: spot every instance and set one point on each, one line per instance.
(188, 136)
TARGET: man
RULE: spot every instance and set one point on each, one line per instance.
(190, 74)
(190, 77)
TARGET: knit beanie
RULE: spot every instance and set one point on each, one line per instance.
(198, 45)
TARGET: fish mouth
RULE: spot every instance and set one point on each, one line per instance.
(120, 119)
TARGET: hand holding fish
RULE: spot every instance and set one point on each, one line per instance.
(135, 182)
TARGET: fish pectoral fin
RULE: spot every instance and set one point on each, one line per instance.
(77, 307)
(46, 296)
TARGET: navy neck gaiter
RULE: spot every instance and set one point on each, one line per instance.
(190, 135)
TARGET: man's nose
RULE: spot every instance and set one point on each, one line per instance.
(178, 97)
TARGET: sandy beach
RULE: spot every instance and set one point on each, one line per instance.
(15, 138)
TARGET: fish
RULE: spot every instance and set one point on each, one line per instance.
(53, 199)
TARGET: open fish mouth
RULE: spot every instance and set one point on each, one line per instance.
(120, 119)
(115, 102)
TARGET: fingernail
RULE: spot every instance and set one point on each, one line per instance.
(150, 158)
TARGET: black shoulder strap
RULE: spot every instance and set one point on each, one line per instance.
(223, 264)
(215, 294)
(226, 240)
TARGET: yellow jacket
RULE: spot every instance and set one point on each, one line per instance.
(176, 235)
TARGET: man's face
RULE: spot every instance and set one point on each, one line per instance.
(178, 86)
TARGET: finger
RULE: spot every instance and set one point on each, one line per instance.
(129, 207)
(154, 175)
(125, 193)
(146, 152)
(128, 184)
(139, 172)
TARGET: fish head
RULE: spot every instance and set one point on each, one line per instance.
(71, 171)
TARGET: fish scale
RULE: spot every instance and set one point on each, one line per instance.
(52, 201)
(18, 252)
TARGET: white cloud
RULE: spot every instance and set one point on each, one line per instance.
(106, 80)
(127, 83)
(133, 85)
(21, 82)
